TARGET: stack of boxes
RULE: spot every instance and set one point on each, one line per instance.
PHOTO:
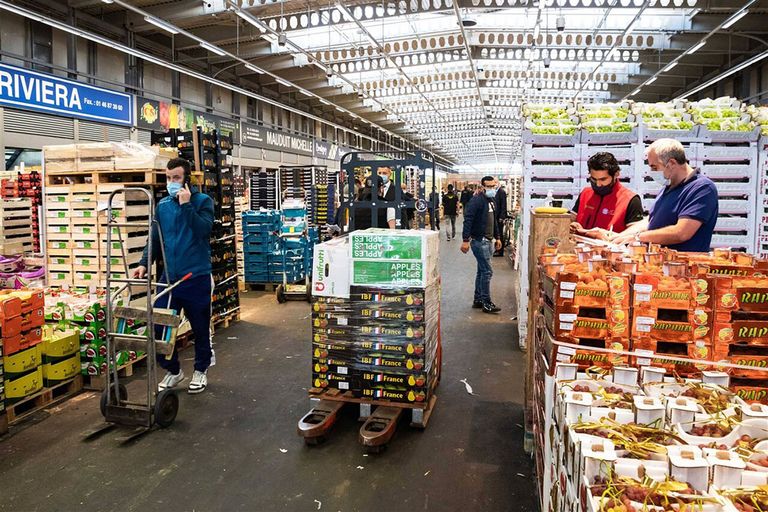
(322, 205)
(375, 315)
(26, 185)
(260, 243)
(76, 226)
(21, 321)
(240, 207)
(741, 332)
(15, 229)
(85, 313)
(263, 188)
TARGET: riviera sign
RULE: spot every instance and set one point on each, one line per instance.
(30, 90)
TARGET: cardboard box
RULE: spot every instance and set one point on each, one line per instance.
(331, 269)
(394, 258)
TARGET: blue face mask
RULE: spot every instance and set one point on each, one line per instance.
(490, 194)
(384, 179)
(173, 188)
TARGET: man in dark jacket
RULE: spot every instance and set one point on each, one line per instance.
(185, 218)
(466, 196)
(450, 210)
(481, 234)
(501, 216)
(434, 209)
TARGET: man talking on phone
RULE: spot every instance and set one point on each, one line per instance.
(185, 218)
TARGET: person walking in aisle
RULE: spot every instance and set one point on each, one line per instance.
(501, 216)
(481, 234)
(450, 210)
(185, 219)
(466, 197)
(434, 210)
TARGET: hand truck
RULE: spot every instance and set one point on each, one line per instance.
(126, 323)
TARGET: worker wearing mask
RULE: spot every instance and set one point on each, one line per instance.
(685, 212)
(605, 207)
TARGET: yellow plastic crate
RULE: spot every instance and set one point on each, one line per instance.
(60, 343)
(62, 370)
(24, 386)
(22, 362)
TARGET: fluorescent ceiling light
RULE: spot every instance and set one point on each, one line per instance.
(108, 1)
(653, 79)
(324, 102)
(161, 24)
(213, 49)
(340, 109)
(254, 69)
(733, 19)
(283, 82)
(307, 94)
(726, 74)
(635, 91)
(250, 19)
(696, 48)
(669, 67)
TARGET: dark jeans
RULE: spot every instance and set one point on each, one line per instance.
(482, 250)
(452, 220)
(434, 220)
(193, 296)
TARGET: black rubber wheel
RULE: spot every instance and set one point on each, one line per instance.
(121, 392)
(166, 407)
(309, 289)
(280, 294)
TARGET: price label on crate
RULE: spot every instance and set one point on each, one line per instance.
(342, 370)
(567, 289)
(644, 361)
(643, 292)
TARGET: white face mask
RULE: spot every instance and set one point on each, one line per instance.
(659, 179)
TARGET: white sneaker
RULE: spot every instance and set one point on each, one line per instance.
(198, 383)
(170, 380)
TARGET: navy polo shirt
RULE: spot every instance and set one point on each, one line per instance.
(695, 198)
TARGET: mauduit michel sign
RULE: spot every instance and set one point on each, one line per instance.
(261, 137)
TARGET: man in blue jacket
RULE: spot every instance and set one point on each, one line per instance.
(481, 234)
(185, 218)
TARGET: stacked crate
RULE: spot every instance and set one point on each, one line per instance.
(21, 321)
(27, 185)
(16, 229)
(240, 207)
(741, 332)
(733, 166)
(761, 220)
(76, 228)
(552, 163)
(263, 188)
(673, 316)
(261, 244)
(322, 203)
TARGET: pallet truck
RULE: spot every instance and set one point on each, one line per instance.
(159, 408)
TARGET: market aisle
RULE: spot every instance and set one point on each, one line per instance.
(225, 451)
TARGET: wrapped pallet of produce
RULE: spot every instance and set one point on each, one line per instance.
(551, 124)
(723, 120)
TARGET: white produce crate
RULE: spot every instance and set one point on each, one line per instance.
(707, 153)
(622, 154)
(725, 171)
(545, 154)
(735, 224)
(553, 171)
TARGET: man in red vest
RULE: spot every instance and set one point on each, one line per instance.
(605, 207)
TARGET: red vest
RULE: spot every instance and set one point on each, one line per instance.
(607, 212)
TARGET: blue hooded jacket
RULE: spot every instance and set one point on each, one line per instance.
(186, 232)
(476, 216)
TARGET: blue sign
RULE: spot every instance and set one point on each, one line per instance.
(29, 90)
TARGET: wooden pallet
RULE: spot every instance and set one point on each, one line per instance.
(224, 321)
(3, 423)
(121, 177)
(262, 287)
(99, 382)
(43, 398)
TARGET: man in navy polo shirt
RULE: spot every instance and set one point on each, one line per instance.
(685, 212)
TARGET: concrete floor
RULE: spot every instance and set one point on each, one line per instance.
(235, 446)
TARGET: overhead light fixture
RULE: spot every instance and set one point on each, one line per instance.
(560, 23)
(108, 1)
(307, 94)
(161, 24)
(324, 102)
(467, 19)
(636, 91)
(754, 60)
(733, 19)
(250, 19)
(536, 32)
(282, 39)
(696, 48)
(653, 79)
(283, 82)
(669, 67)
(254, 69)
(340, 109)
(213, 49)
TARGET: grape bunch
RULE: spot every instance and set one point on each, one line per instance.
(578, 388)
(710, 430)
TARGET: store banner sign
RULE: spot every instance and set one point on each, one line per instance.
(29, 90)
(161, 116)
(265, 138)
